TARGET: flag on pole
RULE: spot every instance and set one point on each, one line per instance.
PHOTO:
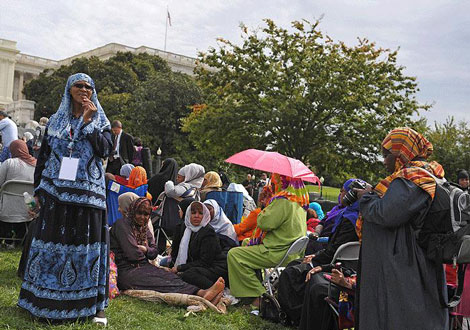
(169, 17)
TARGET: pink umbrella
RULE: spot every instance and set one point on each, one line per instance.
(273, 162)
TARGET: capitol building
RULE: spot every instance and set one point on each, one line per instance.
(17, 68)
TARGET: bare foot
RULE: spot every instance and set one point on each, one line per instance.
(217, 298)
(214, 290)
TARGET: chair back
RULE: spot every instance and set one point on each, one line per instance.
(113, 191)
(347, 252)
(13, 208)
(297, 247)
(231, 202)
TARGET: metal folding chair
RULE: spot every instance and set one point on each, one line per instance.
(346, 252)
(297, 247)
(12, 206)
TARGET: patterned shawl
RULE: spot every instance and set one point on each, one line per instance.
(283, 187)
(407, 144)
(89, 186)
(140, 232)
(59, 123)
(292, 189)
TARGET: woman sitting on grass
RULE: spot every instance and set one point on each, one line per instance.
(196, 249)
(133, 246)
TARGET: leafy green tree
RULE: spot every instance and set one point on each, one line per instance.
(138, 89)
(304, 95)
(451, 144)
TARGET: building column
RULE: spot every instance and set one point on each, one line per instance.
(20, 86)
(8, 53)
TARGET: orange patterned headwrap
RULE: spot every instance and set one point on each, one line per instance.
(137, 177)
(408, 146)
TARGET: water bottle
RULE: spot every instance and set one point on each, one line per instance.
(29, 201)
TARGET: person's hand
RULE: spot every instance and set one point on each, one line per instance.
(337, 277)
(38, 205)
(308, 258)
(142, 248)
(32, 213)
(361, 192)
(174, 269)
(312, 272)
(89, 109)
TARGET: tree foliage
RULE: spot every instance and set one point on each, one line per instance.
(304, 95)
(451, 144)
(140, 90)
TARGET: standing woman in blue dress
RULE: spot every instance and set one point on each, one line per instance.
(66, 275)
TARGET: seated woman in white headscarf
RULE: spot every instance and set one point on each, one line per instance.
(196, 251)
(189, 180)
(133, 246)
(222, 225)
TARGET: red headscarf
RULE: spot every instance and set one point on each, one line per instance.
(19, 149)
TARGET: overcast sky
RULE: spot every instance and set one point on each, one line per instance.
(433, 36)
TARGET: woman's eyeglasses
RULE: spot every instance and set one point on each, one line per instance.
(80, 86)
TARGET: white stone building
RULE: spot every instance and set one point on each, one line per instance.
(17, 68)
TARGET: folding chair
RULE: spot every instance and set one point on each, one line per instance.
(297, 247)
(346, 252)
(13, 208)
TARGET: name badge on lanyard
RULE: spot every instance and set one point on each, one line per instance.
(69, 165)
(68, 168)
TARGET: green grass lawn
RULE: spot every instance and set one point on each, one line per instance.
(123, 312)
(328, 193)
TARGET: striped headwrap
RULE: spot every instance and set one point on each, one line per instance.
(282, 187)
(406, 145)
(292, 189)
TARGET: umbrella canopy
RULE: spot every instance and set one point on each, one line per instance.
(273, 162)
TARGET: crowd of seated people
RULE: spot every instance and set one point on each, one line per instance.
(209, 253)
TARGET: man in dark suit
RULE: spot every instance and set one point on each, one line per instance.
(123, 149)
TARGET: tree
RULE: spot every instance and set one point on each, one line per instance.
(138, 89)
(451, 146)
(304, 95)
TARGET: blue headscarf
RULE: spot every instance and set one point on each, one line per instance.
(67, 136)
(59, 124)
(317, 208)
(349, 212)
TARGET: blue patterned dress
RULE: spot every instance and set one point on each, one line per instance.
(66, 275)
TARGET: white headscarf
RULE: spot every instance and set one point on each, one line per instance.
(221, 224)
(190, 228)
(193, 175)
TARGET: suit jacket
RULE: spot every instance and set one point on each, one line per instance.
(126, 147)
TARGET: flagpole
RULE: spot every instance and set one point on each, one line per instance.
(166, 27)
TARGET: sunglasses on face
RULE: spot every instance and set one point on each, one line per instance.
(80, 86)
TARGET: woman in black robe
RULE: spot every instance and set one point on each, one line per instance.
(205, 261)
(156, 184)
(398, 285)
(133, 246)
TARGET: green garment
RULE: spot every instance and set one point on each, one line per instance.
(284, 222)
